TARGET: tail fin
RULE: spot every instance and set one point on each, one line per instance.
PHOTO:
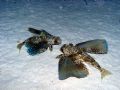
(104, 73)
(19, 46)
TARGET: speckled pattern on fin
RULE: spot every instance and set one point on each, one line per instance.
(38, 32)
(97, 46)
(34, 31)
(68, 68)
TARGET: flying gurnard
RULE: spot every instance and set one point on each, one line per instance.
(73, 57)
(39, 42)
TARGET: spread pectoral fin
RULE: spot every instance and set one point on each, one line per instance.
(68, 68)
(97, 46)
(39, 32)
(34, 31)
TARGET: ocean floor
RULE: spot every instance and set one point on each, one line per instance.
(74, 22)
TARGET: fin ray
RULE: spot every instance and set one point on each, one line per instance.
(68, 68)
(39, 32)
(97, 46)
(19, 46)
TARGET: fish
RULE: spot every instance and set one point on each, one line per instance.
(37, 44)
(75, 55)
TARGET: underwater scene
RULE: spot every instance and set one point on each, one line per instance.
(59, 44)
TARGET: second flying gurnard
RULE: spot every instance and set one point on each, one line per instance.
(73, 57)
(39, 42)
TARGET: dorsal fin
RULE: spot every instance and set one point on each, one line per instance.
(38, 32)
(34, 31)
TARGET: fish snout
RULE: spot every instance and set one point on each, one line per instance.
(57, 41)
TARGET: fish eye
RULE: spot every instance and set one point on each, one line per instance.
(55, 41)
(70, 44)
(62, 48)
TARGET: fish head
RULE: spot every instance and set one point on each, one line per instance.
(68, 49)
(55, 40)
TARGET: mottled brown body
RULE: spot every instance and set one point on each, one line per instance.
(39, 42)
(78, 56)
